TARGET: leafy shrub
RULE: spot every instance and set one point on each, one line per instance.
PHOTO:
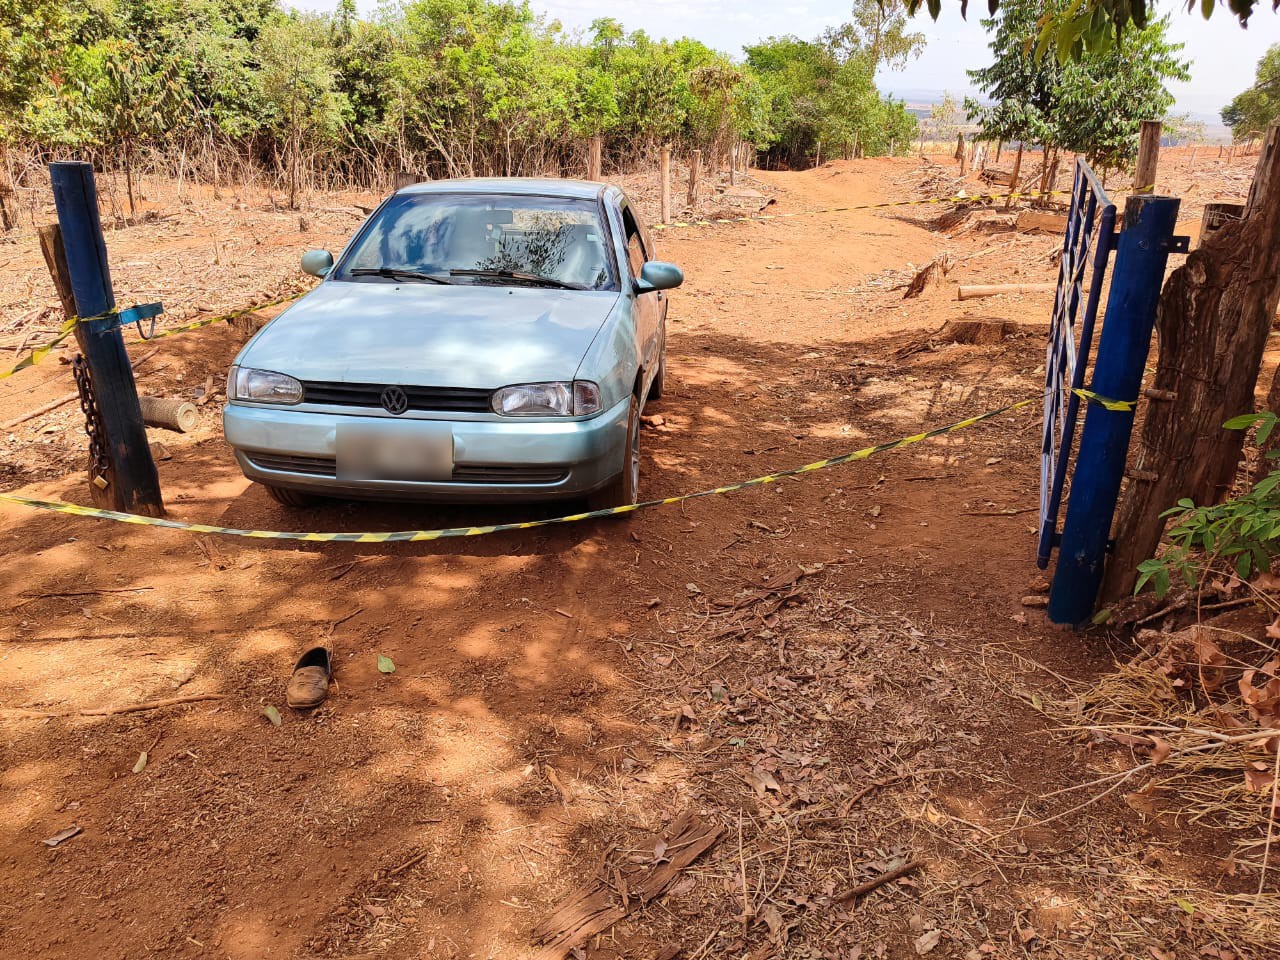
(1242, 533)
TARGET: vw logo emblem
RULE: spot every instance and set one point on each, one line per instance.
(394, 400)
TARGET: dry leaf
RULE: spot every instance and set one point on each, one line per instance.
(762, 781)
(1160, 752)
(1258, 777)
(928, 941)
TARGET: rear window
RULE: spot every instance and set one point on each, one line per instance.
(556, 238)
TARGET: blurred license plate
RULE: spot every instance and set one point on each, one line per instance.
(412, 451)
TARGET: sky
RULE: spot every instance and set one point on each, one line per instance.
(1223, 55)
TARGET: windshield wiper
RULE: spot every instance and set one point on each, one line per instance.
(394, 273)
(516, 275)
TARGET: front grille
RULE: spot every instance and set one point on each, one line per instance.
(447, 399)
(462, 473)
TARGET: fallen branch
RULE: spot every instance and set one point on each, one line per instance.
(862, 889)
(63, 400)
(113, 711)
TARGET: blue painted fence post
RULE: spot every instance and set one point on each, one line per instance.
(130, 482)
(1141, 256)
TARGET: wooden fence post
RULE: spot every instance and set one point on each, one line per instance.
(665, 207)
(595, 152)
(1144, 174)
(695, 167)
(962, 150)
(733, 164)
(131, 482)
(1013, 180)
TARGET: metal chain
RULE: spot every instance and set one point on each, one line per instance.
(99, 463)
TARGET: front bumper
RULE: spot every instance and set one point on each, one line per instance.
(493, 460)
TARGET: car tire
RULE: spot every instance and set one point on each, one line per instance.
(623, 490)
(291, 498)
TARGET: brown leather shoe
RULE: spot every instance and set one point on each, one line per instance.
(309, 685)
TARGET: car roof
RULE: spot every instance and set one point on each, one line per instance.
(519, 186)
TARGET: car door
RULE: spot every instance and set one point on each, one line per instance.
(649, 307)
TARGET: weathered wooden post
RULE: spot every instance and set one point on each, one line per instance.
(1144, 174)
(1013, 180)
(733, 164)
(595, 152)
(1141, 256)
(962, 151)
(665, 165)
(122, 472)
(695, 168)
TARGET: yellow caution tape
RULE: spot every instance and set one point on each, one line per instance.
(1107, 402)
(38, 354)
(226, 317)
(419, 535)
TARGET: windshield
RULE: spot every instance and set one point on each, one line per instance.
(483, 239)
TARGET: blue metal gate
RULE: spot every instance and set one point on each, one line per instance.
(1142, 251)
(1089, 240)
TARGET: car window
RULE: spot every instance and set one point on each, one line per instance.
(560, 239)
(636, 255)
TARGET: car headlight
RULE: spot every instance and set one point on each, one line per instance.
(262, 386)
(560, 398)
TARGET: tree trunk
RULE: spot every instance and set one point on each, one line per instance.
(1214, 317)
(127, 157)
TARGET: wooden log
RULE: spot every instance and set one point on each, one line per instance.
(1037, 221)
(172, 414)
(665, 200)
(974, 291)
(595, 153)
(695, 168)
(1013, 179)
(1144, 174)
(1214, 317)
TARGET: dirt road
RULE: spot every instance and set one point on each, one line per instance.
(838, 670)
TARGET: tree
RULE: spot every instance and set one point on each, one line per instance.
(1093, 26)
(878, 28)
(1252, 111)
(943, 125)
(297, 82)
(1093, 105)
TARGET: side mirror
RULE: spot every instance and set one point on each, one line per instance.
(318, 263)
(657, 275)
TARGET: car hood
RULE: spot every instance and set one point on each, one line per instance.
(466, 335)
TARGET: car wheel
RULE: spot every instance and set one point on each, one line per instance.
(624, 490)
(655, 388)
(291, 498)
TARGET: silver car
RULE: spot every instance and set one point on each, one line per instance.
(477, 340)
